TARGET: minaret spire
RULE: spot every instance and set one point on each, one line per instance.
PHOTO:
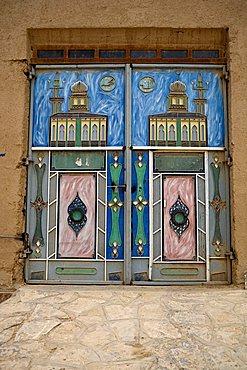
(56, 100)
(200, 100)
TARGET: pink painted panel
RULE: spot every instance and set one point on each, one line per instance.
(176, 248)
(83, 245)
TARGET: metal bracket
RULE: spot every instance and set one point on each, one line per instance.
(229, 161)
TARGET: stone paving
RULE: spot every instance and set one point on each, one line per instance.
(124, 327)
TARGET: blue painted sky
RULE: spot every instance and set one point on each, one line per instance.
(109, 103)
(112, 103)
(144, 104)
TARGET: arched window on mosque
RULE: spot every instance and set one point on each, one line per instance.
(161, 133)
(194, 133)
(71, 133)
(94, 133)
(62, 133)
(85, 133)
(172, 133)
(184, 133)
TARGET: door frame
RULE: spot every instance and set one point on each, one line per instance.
(128, 150)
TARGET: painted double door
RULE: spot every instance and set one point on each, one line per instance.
(128, 182)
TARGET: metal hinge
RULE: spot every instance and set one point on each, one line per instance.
(228, 161)
(225, 74)
(27, 161)
(27, 249)
(230, 255)
(30, 72)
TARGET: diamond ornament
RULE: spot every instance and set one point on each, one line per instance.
(77, 218)
(179, 213)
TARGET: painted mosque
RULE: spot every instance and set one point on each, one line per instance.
(176, 127)
(78, 127)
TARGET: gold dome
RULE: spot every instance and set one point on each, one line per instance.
(178, 87)
(79, 87)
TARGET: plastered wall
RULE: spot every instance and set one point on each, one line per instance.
(16, 17)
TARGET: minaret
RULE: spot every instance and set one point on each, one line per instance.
(56, 100)
(200, 100)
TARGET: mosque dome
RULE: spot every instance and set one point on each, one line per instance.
(79, 87)
(177, 87)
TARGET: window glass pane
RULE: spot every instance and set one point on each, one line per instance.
(205, 53)
(50, 54)
(174, 54)
(109, 54)
(142, 54)
(81, 53)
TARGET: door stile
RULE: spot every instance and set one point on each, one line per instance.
(30, 156)
(225, 82)
(48, 217)
(150, 215)
(105, 271)
(197, 217)
(97, 218)
(128, 177)
(207, 216)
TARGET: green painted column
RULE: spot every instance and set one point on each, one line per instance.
(78, 132)
(140, 203)
(66, 133)
(39, 204)
(217, 204)
(57, 133)
(115, 204)
(178, 125)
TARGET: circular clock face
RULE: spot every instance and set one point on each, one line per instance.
(107, 83)
(147, 84)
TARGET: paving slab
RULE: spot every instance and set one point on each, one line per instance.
(124, 327)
